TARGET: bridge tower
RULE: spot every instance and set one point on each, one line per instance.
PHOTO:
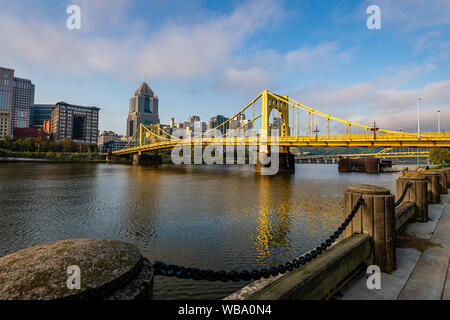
(269, 104)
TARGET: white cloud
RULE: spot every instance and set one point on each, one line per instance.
(261, 69)
(175, 50)
(181, 50)
(102, 15)
(252, 80)
(382, 101)
(323, 55)
(36, 43)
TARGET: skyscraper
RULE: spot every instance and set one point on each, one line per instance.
(218, 120)
(6, 97)
(23, 100)
(143, 109)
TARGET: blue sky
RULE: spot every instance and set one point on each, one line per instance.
(212, 57)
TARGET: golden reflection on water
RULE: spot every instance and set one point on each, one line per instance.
(278, 210)
(273, 220)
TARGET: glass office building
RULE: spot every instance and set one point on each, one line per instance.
(39, 114)
(23, 100)
(6, 93)
(143, 109)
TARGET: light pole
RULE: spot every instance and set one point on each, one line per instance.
(418, 127)
(418, 117)
(439, 121)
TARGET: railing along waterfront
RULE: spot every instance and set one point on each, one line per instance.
(402, 197)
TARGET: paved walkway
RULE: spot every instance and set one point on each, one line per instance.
(423, 269)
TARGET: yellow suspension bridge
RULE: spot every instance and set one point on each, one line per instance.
(298, 126)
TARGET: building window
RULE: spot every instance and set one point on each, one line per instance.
(78, 128)
(147, 105)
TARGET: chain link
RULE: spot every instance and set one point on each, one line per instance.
(408, 185)
(162, 268)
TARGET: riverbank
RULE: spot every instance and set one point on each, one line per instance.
(32, 160)
(51, 157)
(423, 270)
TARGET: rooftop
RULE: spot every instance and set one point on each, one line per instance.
(144, 89)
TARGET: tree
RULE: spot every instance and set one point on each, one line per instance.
(92, 148)
(7, 143)
(28, 144)
(69, 145)
(438, 155)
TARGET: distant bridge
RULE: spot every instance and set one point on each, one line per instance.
(386, 153)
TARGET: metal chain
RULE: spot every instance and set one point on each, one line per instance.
(162, 268)
(408, 185)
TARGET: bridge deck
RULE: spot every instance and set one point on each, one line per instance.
(381, 141)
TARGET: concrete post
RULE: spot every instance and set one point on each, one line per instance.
(376, 217)
(434, 194)
(447, 171)
(442, 180)
(417, 194)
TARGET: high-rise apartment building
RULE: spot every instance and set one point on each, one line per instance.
(77, 123)
(23, 99)
(143, 109)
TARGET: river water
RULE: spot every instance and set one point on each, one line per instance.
(209, 217)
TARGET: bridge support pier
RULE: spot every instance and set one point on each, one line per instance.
(147, 159)
(110, 158)
(286, 164)
(376, 218)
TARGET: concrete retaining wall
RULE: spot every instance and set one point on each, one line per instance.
(404, 213)
(315, 280)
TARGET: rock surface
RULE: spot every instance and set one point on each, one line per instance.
(108, 270)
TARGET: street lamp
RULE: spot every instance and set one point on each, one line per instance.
(418, 117)
(439, 121)
(418, 127)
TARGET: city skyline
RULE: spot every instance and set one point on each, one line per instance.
(225, 54)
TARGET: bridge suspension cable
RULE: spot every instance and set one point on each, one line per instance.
(153, 137)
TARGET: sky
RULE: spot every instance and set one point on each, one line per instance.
(213, 57)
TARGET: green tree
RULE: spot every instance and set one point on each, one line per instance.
(7, 143)
(17, 145)
(92, 148)
(438, 155)
(28, 145)
(69, 145)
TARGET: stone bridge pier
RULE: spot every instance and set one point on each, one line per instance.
(286, 164)
(142, 159)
